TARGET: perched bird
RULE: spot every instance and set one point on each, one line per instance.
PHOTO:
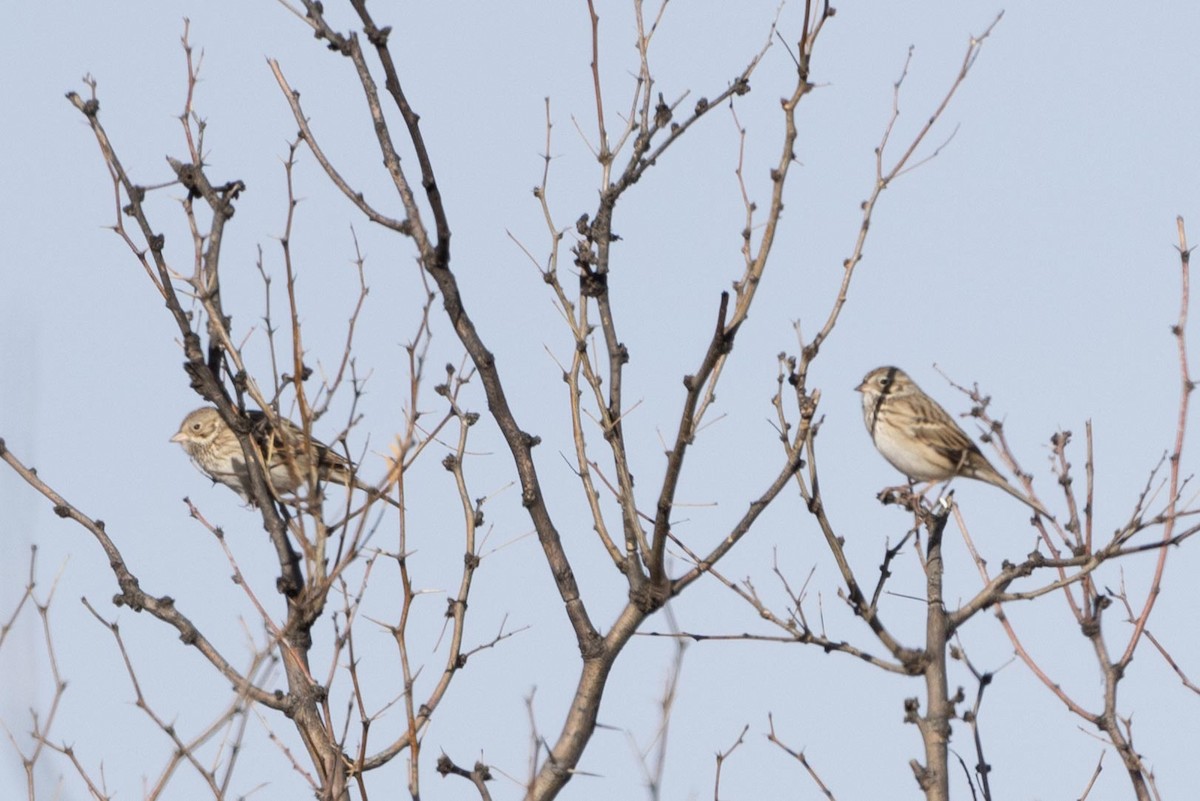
(919, 438)
(215, 449)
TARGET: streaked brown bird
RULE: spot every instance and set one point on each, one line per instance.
(919, 438)
(288, 458)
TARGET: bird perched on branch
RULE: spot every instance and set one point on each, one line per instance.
(919, 438)
(287, 456)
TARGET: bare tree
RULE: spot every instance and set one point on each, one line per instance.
(334, 552)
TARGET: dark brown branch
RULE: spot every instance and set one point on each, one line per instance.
(131, 593)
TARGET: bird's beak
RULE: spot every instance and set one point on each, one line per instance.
(860, 386)
(178, 437)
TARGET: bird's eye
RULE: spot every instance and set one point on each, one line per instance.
(196, 426)
(884, 381)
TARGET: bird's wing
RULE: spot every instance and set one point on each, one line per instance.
(933, 425)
